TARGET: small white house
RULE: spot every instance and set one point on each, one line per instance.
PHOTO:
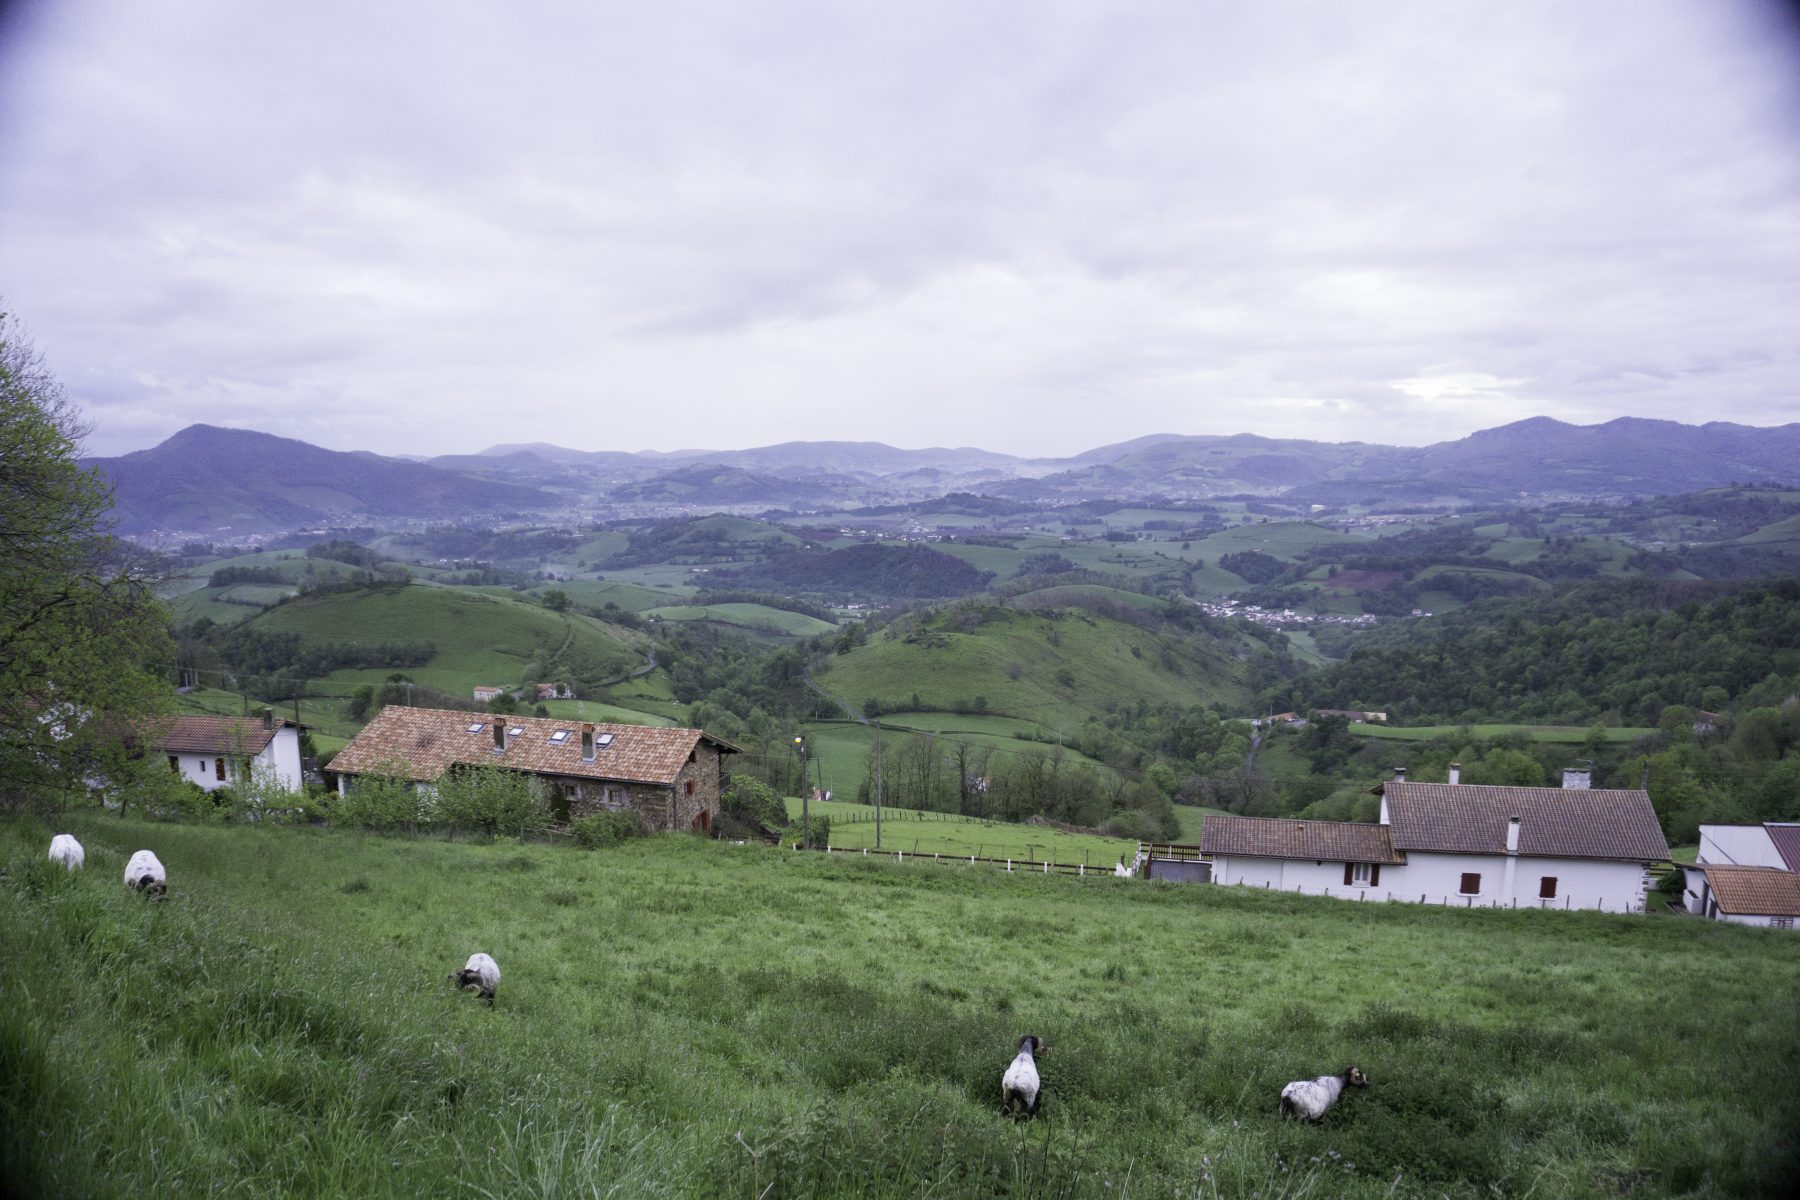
(1317, 857)
(1767, 896)
(215, 751)
(1724, 883)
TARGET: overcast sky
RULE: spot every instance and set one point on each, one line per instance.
(1034, 227)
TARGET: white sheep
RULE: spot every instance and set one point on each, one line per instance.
(481, 972)
(67, 851)
(1019, 1086)
(145, 873)
(1309, 1098)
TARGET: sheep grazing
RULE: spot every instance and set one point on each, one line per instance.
(480, 972)
(66, 850)
(1019, 1087)
(145, 873)
(1308, 1099)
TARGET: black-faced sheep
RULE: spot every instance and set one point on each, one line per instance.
(145, 873)
(66, 850)
(1019, 1087)
(1309, 1099)
(480, 972)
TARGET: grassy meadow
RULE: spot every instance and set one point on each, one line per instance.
(914, 832)
(684, 1018)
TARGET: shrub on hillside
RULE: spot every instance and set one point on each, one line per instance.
(750, 799)
(606, 829)
(492, 801)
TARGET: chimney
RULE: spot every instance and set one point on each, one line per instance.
(1399, 774)
(1579, 777)
(587, 743)
(500, 735)
(1512, 835)
(268, 717)
(1455, 772)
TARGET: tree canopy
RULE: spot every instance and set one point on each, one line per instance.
(81, 630)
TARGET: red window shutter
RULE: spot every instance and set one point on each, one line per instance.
(1547, 888)
(1375, 875)
(690, 787)
(1348, 878)
(1471, 883)
(218, 768)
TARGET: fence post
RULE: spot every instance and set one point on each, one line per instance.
(1009, 866)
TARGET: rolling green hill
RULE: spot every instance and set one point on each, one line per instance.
(480, 638)
(1055, 667)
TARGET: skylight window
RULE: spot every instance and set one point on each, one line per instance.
(559, 737)
(516, 731)
(604, 739)
(477, 727)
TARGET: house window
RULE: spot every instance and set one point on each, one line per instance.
(1547, 888)
(218, 768)
(690, 787)
(1471, 883)
(1359, 874)
(175, 763)
(1781, 922)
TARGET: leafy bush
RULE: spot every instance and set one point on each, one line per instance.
(821, 830)
(492, 800)
(753, 800)
(606, 829)
(380, 802)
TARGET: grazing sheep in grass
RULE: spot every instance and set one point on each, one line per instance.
(1019, 1086)
(1309, 1098)
(480, 972)
(145, 873)
(67, 851)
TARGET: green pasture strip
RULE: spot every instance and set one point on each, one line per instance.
(685, 1018)
(1537, 733)
(595, 710)
(951, 834)
(758, 617)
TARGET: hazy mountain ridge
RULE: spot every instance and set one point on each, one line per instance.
(205, 477)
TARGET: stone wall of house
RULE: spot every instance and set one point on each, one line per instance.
(692, 804)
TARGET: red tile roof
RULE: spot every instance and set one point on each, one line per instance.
(1553, 822)
(1786, 836)
(1754, 891)
(1321, 841)
(210, 735)
(425, 742)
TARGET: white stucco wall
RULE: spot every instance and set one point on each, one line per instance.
(1694, 890)
(1750, 920)
(1580, 883)
(1744, 845)
(1292, 875)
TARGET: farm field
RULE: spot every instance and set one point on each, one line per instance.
(684, 1018)
(845, 748)
(753, 619)
(853, 828)
(1538, 733)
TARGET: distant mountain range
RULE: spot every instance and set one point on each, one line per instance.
(211, 480)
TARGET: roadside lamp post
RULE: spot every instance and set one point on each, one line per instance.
(805, 799)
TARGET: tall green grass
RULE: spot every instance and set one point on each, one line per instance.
(687, 1018)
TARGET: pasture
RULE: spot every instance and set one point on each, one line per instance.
(1537, 733)
(683, 1018)
(954, 835)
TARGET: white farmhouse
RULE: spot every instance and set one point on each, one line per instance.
(214, 751)
(1746, 874)
(1451, 843)
(1766, 896)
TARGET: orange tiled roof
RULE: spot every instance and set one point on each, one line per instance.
(1464, 818)
(1321, 841)
(1754, 891)
(426, 742)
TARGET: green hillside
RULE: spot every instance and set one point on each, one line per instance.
(1054, 667)
(686, 1018)
(480, 638)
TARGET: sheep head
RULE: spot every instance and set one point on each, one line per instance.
(1355, 1078)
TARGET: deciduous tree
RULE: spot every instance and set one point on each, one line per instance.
(81, 631)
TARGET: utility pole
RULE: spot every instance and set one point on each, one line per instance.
(805, 800)
(878, 785)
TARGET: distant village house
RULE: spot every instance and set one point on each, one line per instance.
(1746, 874)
